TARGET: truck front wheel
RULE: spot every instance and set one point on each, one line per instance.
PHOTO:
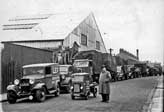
(86, 97)
(95, 92)
(11, 97)
(57, 93)
(40, 95)
(73, 97)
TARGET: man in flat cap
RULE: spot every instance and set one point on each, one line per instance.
(104, 84)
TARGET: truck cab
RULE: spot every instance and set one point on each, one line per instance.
(86, 65)
(65, 72)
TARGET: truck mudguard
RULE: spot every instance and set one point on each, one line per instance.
(12, 88)
(39, 86)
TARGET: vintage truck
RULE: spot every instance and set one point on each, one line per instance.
(141, 69)
(65, 72)
(91, 62)
(38, 80)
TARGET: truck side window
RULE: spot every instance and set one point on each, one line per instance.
(48, 70)
(55, 69)
(70, 69)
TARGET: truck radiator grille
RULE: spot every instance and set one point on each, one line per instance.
(76, 88)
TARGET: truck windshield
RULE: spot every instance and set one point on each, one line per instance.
(119, 69)
(31, 71)
(77, 78)
(63, 70)
(81, 64)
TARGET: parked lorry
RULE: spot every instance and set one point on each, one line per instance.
(65, 72)
(89, 62)
(141, 69)
(38, 81)
(120, 75)
(158, 69)
(83, 86)
(123, 72)
(95, 60)
(130, 70)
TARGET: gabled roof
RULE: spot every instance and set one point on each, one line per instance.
(24, 22)
(60, 25)
(50, 26)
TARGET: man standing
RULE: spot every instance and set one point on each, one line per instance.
(104, 85)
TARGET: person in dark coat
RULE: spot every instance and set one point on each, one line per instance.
(104, 84)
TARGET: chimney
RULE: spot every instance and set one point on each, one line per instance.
(110, 51)
(137, 53)
(121, 50)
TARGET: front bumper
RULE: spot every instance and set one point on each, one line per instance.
(79, 94)
(24, 94)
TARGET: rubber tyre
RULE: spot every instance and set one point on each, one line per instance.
(57, 93)
(86, 97)
(95, 93)
(11, 97)
(40, 95)
(73, 97)
(69, 88)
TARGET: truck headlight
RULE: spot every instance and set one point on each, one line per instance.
(71, 87)
(16, 81)
(63, 76)
(81, 87)
(31, 81)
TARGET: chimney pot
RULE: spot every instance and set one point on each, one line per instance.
(137, 53)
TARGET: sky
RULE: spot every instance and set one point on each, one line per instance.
(127, 24)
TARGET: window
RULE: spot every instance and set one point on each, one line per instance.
(63, 70)
(98, 45)
(55, 69)
(48, 70)
(84, 39)
(77, 78)
(81, 63)
(33, 70)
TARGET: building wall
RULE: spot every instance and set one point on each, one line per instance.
(127, 56)
(15, 56)
(42, 44)
(1, 47)
(90, 29)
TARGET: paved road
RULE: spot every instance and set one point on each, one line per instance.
(126, 96)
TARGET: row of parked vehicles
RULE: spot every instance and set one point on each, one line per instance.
(40, 80)
(135, 71)
(79, 79)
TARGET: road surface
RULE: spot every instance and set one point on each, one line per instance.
(126, 96)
